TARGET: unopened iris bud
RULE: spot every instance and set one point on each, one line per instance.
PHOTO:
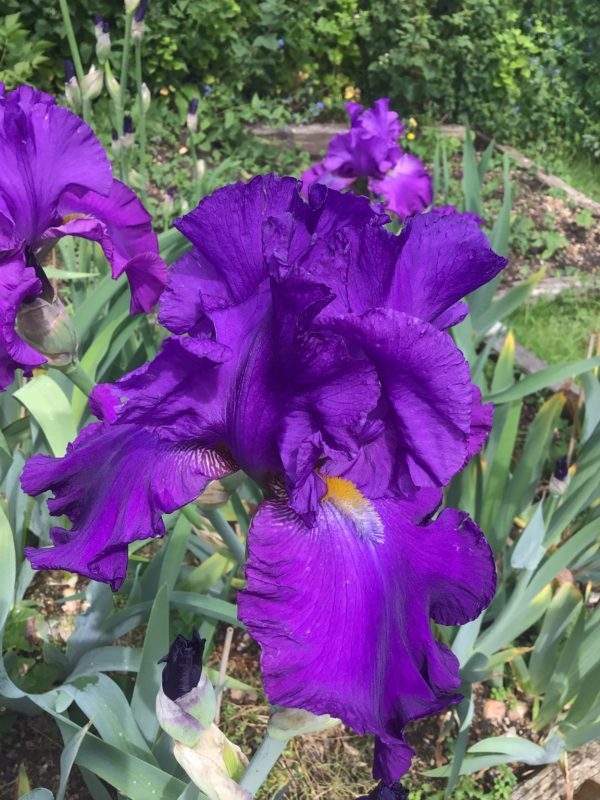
(137, 26)
(146, 97)
(287, 722)
(115, 142)
(215, 765)
(72, 90)
(47, 326)
(131, 6)
(186, 703)
(201, 167)
(192, 116)
(102, 40)
(560, 479)
(112, 84)
(92, 83)
(384, 792)
(128, 138)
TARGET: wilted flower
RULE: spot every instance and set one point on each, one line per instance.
(102, 40)
(310, 351)
(56, 181)
(192, 116)
(72, 90)
(91, 86)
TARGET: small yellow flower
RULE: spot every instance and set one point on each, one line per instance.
(164, 91)
(302, 75)
(410, 136)
(183, 150)
(351, 93)
(413, 123)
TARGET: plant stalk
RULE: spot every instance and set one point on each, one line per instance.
(79, 377)
(262, 763)
(142, 118)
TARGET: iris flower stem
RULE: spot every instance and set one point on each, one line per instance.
(64, 7)
(142, 118)
(79, 377)
(123, 92)
(262, 763)
(222, 527)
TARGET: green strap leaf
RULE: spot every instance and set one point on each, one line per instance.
(48, 405)
(557, 373)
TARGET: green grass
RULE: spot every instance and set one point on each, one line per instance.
(580, 170)
(558, 329)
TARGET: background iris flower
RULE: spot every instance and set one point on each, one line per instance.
(370, 150)
(310, 351)
(55, 181)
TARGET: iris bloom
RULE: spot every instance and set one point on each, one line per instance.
(370, 150)
(56, 181)
(309, 349)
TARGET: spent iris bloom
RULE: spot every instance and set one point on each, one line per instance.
(370, 151)
(56, 181)
(309, 350)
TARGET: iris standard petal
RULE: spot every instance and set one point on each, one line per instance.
(342, 610)
(114, 484)
(442, 259)
(318, 174)
(123, 228)
(45, 149)
(425, 381)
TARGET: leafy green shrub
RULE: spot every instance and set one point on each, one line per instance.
(20, 56)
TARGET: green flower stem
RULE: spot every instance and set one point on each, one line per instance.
(142, 118)
(222, 527)
(64, 7)
(262, 763)
(79, 377)
(123, 92)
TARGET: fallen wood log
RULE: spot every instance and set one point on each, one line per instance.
(550, 783)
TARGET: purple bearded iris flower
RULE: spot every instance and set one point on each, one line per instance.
(309, 350)
(370, 151)
(55, 181)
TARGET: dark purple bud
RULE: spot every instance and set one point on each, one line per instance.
(98, 19)
(105, 26)
(69, 70)
(561, 468)
(207, 89)
(127, 124)
(183, 666)
(384, 792)
(171, 193)
(140, 11)
(115, 135)
(193, 106)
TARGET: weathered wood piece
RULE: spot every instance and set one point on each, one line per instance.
(550, 784)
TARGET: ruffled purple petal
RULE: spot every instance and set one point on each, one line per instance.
(421, 434)
(114, 484)
(342, 611)
(443, 258)
(17, 283)
(123, 228)
(482, 419)
(45, 149)
(448, 210)
(318, 174)
(369, 148)
(407, 188)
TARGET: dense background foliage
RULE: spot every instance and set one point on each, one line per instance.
(522, 70)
